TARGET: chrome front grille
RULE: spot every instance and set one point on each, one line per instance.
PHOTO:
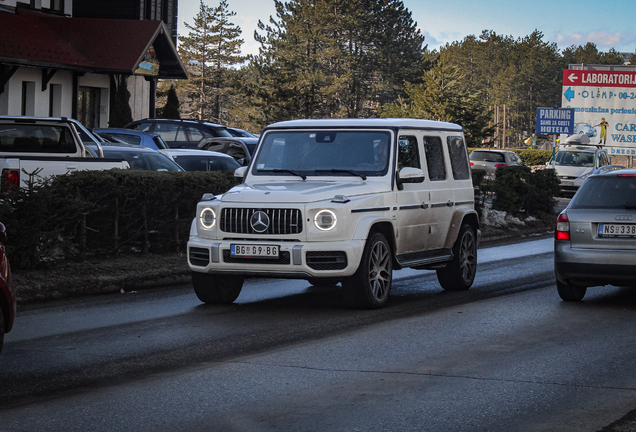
(281, 221)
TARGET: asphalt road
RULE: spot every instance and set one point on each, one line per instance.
(506, 355)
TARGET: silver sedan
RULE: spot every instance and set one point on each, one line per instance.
(595, 237)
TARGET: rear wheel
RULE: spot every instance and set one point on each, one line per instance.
(215, 289)
(569, 292)
(370, 285)
(459, 274)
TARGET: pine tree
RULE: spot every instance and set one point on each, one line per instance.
(171, 108)
(335, 58)
(211, 47)
(120, 112)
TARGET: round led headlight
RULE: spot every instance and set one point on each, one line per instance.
(207, 217)
(325, 220)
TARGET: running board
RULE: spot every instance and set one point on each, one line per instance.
(422, 259)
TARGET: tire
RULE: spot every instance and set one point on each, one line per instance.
(370, 285)
(215, 289)
(459, 274)
(569, 292)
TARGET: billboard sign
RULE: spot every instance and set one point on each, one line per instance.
(604, 103)
(555, 121)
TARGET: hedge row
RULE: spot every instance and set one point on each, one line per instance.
(104, 212)
(529, 156)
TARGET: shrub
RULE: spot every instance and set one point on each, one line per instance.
(518, 191)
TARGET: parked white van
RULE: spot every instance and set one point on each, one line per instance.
(345, 200)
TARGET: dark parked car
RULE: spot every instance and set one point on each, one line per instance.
(195, 134)
(7, 294)
(131, 136)
(202, 160)
(490, 160)
(140, 157)
(595, 237)
(240, 133)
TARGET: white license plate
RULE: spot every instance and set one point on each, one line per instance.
(567, 183)
(616, 230)
(254, 251)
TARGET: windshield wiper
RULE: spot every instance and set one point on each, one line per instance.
(353, 173)
(302, 176)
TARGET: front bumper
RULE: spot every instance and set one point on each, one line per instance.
(594, 267)
(570, 185)
(297, 260)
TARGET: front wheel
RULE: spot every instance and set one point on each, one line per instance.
(370, 285)
(569, 292)
(459, 274)
(216, 289)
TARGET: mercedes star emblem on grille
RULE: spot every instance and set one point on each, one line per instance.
(259, 221)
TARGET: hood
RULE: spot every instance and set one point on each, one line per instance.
(300, 192)
(572, 171)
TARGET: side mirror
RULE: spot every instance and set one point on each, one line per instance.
(239, 173)
(409, 175)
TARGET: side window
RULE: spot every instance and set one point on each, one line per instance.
(167, 131)
(195, 134)
(408, 154)
(459, 160)
(434, 152)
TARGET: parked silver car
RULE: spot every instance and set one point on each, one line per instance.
(490, 160)
(595, 237)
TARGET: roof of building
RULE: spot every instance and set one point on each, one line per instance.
(85, 44)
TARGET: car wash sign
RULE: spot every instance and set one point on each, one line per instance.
(604, 104)
(555, 121)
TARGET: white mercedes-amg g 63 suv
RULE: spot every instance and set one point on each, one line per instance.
(346, 200)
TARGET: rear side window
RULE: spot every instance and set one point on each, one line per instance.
(611, 192)
(434, 158)
(33, 138)
(459, 158)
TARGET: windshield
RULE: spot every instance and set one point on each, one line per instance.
(324, 153)
(574, 158)
(609, 192)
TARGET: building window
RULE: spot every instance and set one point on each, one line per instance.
(57, 5)
(28, 98)
(88, 106)
(55, 100)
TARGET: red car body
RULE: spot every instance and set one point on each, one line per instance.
(8, 301)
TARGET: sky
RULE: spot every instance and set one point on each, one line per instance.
(609, 23)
